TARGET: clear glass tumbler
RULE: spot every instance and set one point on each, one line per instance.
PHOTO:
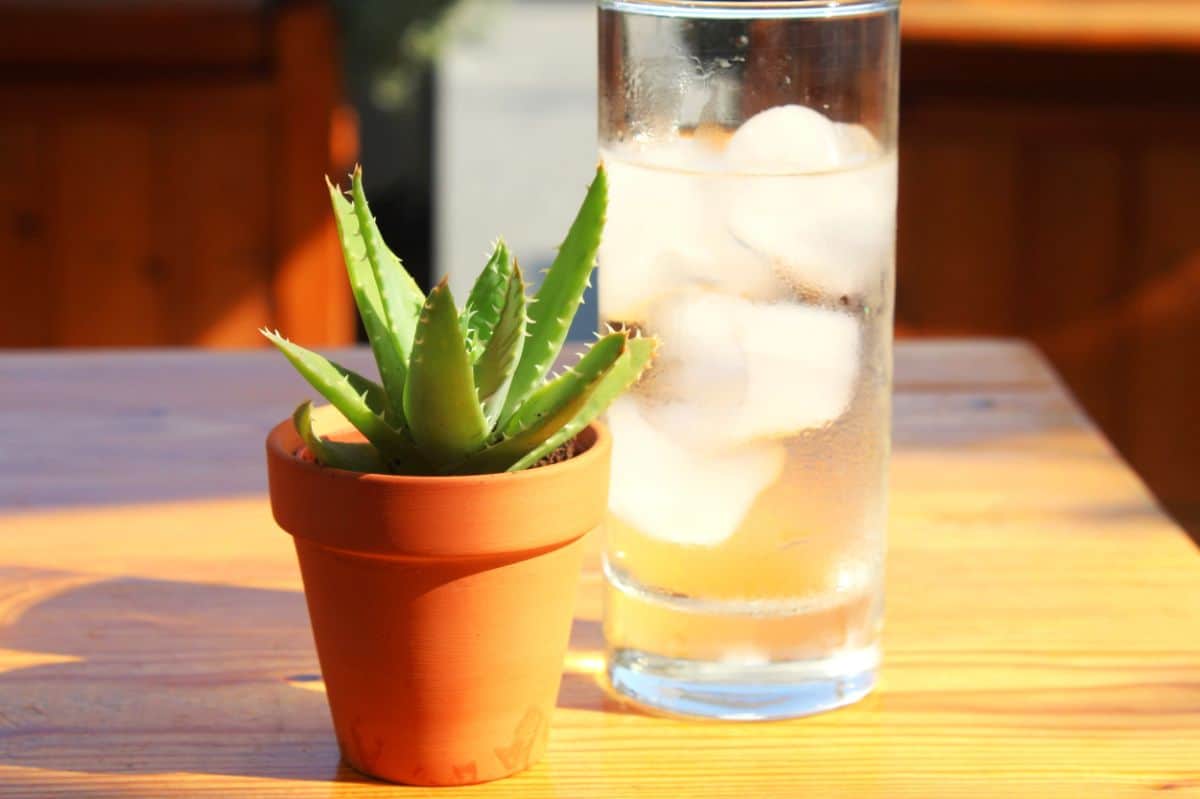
(751, 153)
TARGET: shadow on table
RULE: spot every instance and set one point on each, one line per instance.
(133, 676)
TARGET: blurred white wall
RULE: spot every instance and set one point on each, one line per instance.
(514, 139)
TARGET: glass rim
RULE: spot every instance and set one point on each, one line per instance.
(750, 9)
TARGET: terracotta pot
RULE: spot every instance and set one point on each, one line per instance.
(441, 606)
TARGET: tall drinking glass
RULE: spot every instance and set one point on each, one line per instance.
(751, 154)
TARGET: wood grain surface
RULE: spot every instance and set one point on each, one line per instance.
(1043, 627)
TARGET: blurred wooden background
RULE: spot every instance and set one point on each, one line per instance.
(158, 162)
(162, 165)
(1050, 165)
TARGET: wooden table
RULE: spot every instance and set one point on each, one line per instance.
(1043, 633)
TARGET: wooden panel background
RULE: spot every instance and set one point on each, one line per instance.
(163, 186)
(1051, 194)
(24, 238)
(158, 189)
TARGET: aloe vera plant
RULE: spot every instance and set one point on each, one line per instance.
(464, 392)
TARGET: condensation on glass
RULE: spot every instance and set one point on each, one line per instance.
(751, 153)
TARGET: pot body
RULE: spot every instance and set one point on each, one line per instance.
(441, 607)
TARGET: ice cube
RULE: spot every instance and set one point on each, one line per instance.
(817, 199)
(673, 493)
(785, 139)
(732, 371)
(856, 144)
(803, 363)
(666, 229)
(652, 214)
(722, 263)
(833, 233)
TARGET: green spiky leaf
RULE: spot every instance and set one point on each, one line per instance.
(550, 408)
(474, 347)
(353, 457)
(560, 294)
(502, 455)
(463, 393)
(440, 402)
(392, 367)
(487, 299)
(342, 388)
(399, 295)
(494, 368)
(600, 394)
(555, 395)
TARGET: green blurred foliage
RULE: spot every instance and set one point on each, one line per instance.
(388, 44)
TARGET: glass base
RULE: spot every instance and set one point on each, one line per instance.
(742, 692)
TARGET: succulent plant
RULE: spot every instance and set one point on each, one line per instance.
(464, 392)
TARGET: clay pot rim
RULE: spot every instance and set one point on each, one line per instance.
(437, 517)
(284, 441)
